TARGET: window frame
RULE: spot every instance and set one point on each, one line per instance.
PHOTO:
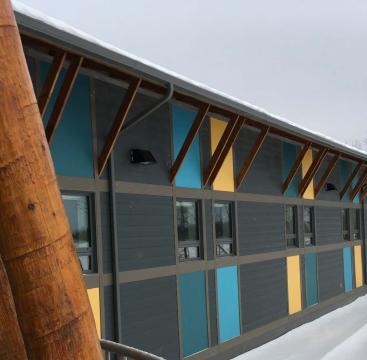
(296, 227)
(92, 250)
(351, 226)
(185, 244)
(224, 240)
(348, 231)
(312, 234)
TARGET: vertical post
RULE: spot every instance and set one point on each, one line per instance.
(36, 243)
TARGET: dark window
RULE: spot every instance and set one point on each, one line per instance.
(345, 223)
(308, 226)
(78, 211)
(223, 228)
(291, 225)
(355, 221)
(188, 229)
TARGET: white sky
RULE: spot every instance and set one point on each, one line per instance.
(303, 60)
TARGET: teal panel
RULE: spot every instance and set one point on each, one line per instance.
(289, 158)
(354, 183)
(189, 175)
(71, 146)
(194, 322)
(311, 279)
(344, 175)
(348, 269)
(228, 306)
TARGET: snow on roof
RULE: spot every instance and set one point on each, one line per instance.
(268, 117)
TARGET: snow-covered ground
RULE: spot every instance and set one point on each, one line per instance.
(339, 335)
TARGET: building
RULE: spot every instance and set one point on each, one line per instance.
(204, 227)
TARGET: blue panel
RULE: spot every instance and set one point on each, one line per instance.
(289, 158)
(344, 175)
(311, 279)
(194, 322)
(189, 174)
(348, 272)
(228, 307)
(71, 146)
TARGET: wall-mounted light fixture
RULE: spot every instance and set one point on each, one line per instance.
(142, 157)
(330, 187)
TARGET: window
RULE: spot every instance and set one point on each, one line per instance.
(78, 211)
(308, 226)
(355, 221)
(223, 228)
(188, 229)
(345, 224)
(291, 225)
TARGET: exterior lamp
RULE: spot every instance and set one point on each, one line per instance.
(142, 157)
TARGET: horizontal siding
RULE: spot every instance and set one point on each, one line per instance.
(106, 232)
(328, 225)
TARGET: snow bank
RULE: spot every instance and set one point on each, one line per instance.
(339, 335)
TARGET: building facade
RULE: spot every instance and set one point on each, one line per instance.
(201, 235)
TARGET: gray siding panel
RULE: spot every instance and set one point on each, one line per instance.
(145, 231)
(330, 273)
(109, 313)
(260, 227)
(149, 316)
(265, 174)
(210, 248)
(213, 308)
(263, 293)
(333, 179)
(106, 232)
(328, 225)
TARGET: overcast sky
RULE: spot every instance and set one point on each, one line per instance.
(303, 60)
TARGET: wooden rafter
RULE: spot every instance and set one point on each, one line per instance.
(117, 124)
(63, 96)
(251, 156)
(312, 171)
(358, 186)
(350, 179)
(52, 76)
(327, 173)
(224, 145)
(296, 166)
(199, 119)
(363, 192)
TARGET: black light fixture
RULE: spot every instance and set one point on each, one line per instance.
(142, 157)
(330, 187)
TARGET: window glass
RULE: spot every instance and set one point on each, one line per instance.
(290, 225)
(78, 213)
(345, 223)
(356, 223)
(308, 228)
(223, 228)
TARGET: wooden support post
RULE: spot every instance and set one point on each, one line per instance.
(51, 80)
(199, 119)
(296, 166)
(118, 123)
(312, 171)
(11, 340)
(36, 243)
(63, 96)
(350, 179)
(358, 186)
(327, 173)
(225, 143)
(251, 156)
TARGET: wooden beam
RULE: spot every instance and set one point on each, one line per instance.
(350, 179)
(118, 123)
(199, 119)
(63, 96)
(296, 166)
(363, 193)
(312, 171)
(327, 173)
(51, 80)
(224, 145)
(358, 186)
(251, 156)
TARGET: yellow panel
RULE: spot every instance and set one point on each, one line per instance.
(306, 163)
(93, 295)
(358, 265)
(294, 284)
(224, 179)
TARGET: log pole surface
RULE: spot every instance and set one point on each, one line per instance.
(36, 244)
(11, 340)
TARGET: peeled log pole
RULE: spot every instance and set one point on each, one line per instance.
(11, 340)
(36, 244)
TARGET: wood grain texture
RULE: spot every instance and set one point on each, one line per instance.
(36, 244)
